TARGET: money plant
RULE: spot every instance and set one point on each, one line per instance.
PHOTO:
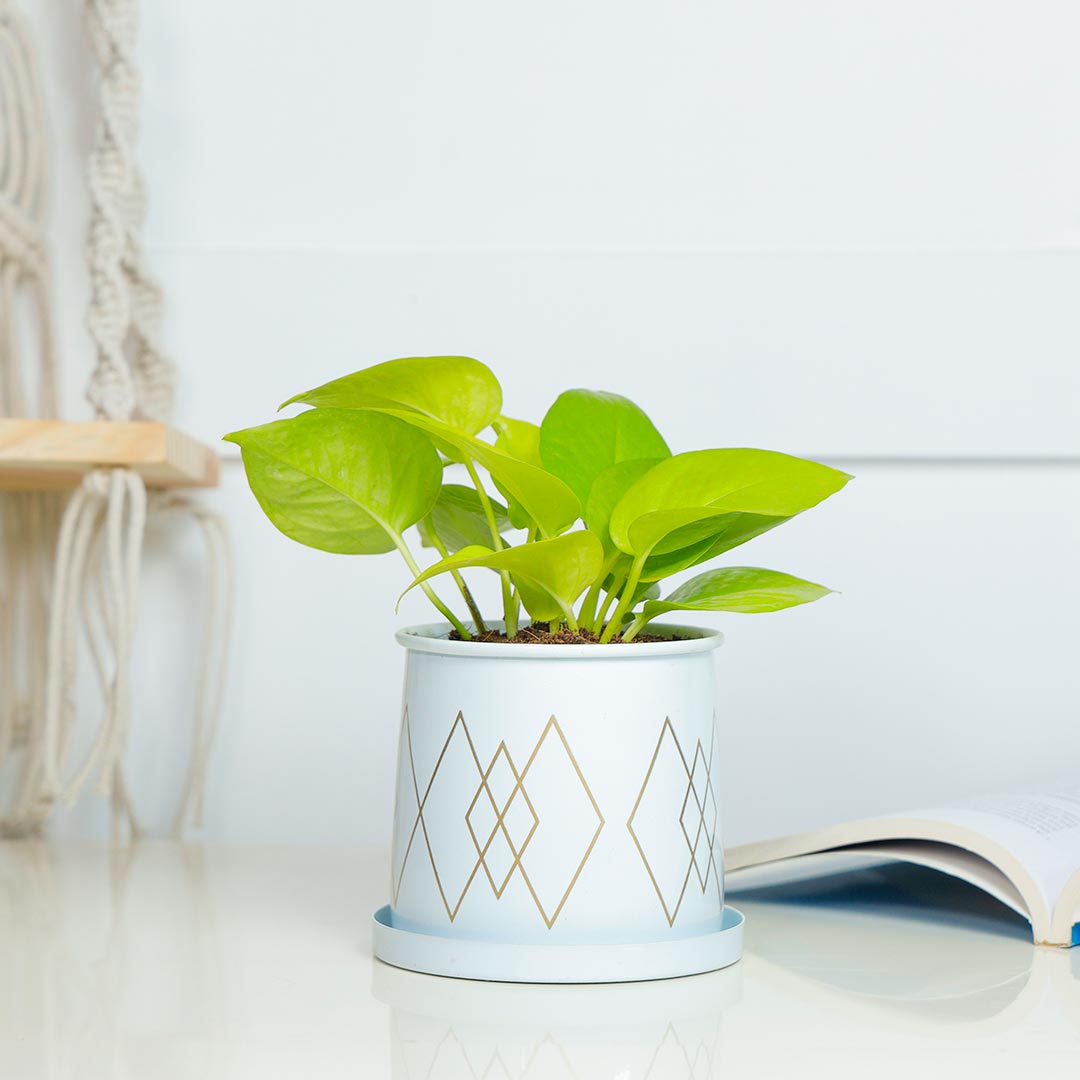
(582, 517)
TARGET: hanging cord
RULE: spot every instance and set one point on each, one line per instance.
(28, 520)
(132, 378)
(103, 526)
(93, 582)
(210, 683)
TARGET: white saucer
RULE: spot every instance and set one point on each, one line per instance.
(461, 958)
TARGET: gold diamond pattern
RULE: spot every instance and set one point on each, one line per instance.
(500, 824)
(696, 805)
(495, 820)
(699, 806)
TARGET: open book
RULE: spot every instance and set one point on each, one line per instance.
(1023, 849)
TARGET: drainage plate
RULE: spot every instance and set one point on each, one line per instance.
(462, 958)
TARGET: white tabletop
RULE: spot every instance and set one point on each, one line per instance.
(169, 961)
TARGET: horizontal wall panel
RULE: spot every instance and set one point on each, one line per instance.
(946, 665)
(613, 123)
(832, 355)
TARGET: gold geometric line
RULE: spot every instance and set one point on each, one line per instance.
(483, 789)
(519, 786)
(416, 792)
(671, 914)
(690, 790)
(422, 802)
(500, 822)
(553, 723)
(479, 769)
(427, 839)
(634, 810)
(716, 816)
(702, 808)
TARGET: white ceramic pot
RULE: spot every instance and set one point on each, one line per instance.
(556, 816)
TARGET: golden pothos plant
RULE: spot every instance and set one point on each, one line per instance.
(581, 517)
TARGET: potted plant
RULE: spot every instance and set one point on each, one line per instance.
(556, 811)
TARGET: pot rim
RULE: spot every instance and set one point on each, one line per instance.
(434, 638)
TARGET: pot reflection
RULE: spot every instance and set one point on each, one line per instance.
(449, 1029)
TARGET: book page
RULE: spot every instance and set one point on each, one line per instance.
(935, 855)
(1041, 828)
(1030, 837)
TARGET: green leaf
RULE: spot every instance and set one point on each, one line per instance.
(455, 390)
(586, 431)
(607, 489)
(550, 574)
(724, 533)
(339, 480)
(543, 497)
(743, 589)
(459, 521)
(646, 590)
(520, 440)
(681, 501)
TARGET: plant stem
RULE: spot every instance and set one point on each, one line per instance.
(616, 585)
(429, 592)
(626, 598)
(466, 593)
(510, 607)
(587, 611)
(568, 618)
(635, 627)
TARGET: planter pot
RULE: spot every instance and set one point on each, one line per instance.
(556, 816)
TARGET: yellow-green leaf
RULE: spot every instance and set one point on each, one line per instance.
(459, 521)
(744, 589)
(586, 431)
(456, 390)
(340, 480)
(550, 574)
(679, 501)
(545, 498)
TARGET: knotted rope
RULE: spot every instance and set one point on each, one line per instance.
(99, 543)
(28, 521)
(132, 379)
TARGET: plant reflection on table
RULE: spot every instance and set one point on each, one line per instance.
(81, 991)
(449, 1028)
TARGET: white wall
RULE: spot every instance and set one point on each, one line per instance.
(840, 229)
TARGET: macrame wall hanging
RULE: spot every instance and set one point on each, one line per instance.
(75, 497)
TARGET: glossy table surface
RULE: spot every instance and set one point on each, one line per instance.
(171, 961)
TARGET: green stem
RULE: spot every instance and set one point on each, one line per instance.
(429, 592)
(587, 611)
(466, 593)
(613, 592)
(568, 617)
(636, 627)
(626, 598)
(510, 605)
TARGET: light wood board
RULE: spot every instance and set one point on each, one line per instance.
(42, 455)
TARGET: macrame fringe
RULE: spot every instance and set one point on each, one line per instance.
(78, 566)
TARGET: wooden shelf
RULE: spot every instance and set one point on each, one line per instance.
(46, 455)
